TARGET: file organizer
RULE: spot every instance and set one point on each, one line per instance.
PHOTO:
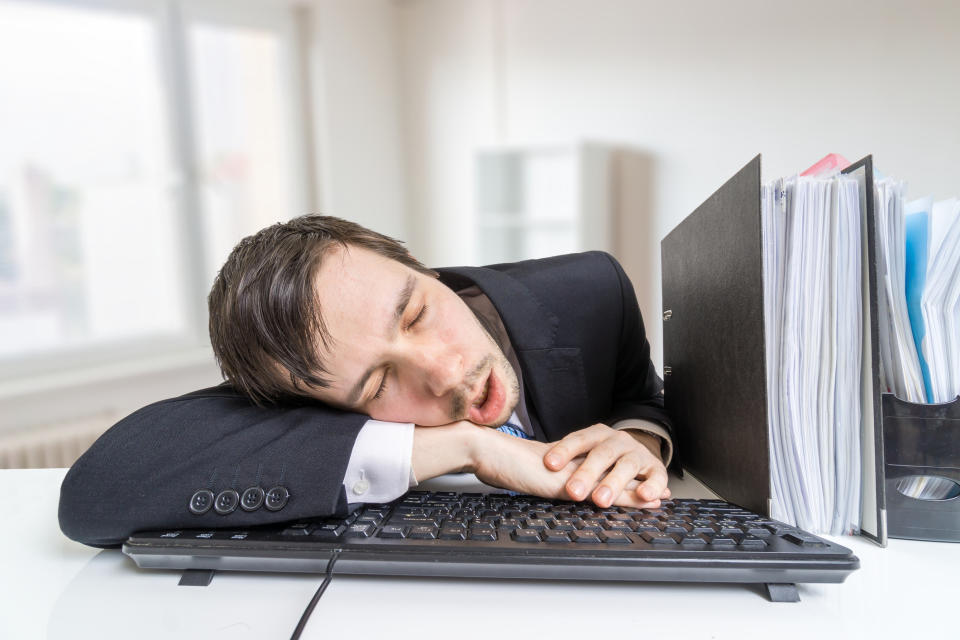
(921, 440)
(714, 355)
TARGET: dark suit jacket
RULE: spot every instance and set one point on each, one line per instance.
(573, 322)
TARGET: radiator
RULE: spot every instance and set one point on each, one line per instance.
(56, 445)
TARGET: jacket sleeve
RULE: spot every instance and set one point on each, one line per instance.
(146, 471)
(638, 390)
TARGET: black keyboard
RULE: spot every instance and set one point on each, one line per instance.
(518, 536)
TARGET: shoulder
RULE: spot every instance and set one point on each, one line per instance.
(571, 270)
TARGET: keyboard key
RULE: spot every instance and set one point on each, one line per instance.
(423, 532)
(724, 540)
(682, 529)
(694, 540)
(802, 539)
(392, 531)
(753, 542)
(532, 523)
(758, 531)
(526, 535)
(329, 531)
(483, 534)
(552, 535)
(509, 524)
(414, 521)
(660, 537)
(360, 530)
(453, 533)
(586, 537)
(300, 529)
(617, 537)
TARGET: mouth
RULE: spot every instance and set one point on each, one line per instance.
(487, 406)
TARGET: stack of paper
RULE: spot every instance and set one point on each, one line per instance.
(940, 302)
(899, 362)
(812, 295)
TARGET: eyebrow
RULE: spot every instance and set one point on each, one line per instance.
(402, 301)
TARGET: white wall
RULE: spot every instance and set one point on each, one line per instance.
(690, 91)
(356, 113)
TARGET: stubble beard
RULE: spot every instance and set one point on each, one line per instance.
(506, 374)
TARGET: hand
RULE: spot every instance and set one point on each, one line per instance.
(516, 464)
(614, 460)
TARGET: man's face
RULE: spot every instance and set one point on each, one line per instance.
(407, 338)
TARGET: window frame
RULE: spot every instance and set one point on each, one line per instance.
(66, 366)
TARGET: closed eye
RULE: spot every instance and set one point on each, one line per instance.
(419, 317)
(383, 385)
(383, 381)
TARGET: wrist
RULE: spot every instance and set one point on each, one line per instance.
(652, 442)
(451, 448)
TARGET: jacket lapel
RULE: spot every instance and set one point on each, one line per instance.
(553, 376)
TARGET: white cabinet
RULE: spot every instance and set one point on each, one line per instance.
(541, 201)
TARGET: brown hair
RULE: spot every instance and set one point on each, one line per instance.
(264, 316)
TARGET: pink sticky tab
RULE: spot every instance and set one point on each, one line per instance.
(829, 164)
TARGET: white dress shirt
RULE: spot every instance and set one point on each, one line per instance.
(380, 468)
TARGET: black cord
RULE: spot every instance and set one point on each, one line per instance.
(316, 596)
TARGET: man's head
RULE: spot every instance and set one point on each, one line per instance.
(323, 308)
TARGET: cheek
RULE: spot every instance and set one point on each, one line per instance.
(459, 329)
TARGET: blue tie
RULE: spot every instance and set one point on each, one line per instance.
(513, 430)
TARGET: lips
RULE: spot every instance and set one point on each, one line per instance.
(488, 405)
(483, 394)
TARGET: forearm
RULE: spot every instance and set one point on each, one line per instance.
(449, 448)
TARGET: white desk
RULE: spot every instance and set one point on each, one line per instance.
(55, 588)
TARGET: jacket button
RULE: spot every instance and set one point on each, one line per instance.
(227, 501)
(277, 498)
(201, 501)
(252, 499)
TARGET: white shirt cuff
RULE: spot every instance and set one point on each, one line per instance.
(666, 444)
(379, 469)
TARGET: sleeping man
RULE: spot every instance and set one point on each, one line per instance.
(353, 373)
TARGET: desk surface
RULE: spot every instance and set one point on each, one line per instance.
(55, 588)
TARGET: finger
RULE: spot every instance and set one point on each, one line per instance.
(628, 498)
(595, 465)
(574, 444)
(655, 483)
(614, 482)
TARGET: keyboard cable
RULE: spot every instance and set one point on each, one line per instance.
(316, 596)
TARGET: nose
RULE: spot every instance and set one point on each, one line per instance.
(442, 370)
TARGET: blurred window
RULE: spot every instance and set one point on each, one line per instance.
(139, 141)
